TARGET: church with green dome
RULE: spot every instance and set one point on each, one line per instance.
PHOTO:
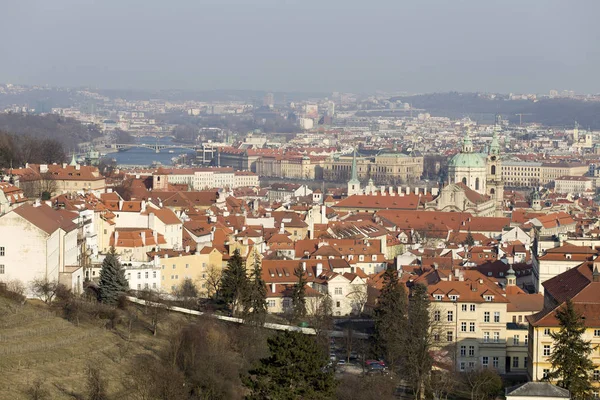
(479, 172)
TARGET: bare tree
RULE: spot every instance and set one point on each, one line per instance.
(44, 289)
(212, 281)
(358, 298)
(483, 383)
(157, 310)
(95, 384)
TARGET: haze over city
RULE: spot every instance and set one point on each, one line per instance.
(320, 46)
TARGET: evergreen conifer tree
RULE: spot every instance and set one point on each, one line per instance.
(299, 295)
(256, 303)
(390, 319)
(112, 279)
(469, 240)
(570, 358)
(418, 334)
(295, 369)
(234, 283)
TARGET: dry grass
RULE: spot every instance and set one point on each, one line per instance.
(37, 344)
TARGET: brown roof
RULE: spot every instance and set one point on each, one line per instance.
(46, 218)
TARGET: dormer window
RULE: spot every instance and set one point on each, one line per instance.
(568, 256)
(453, 297)
(488, 298)
(438, 297)
(361, 258)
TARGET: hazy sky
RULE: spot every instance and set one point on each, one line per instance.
(308, 45)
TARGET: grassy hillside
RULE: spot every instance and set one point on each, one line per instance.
(37, 344)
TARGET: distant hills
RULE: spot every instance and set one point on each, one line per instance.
(558, 112)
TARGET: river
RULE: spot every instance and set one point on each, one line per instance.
(139, 156)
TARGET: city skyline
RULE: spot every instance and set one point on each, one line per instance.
(427, 47)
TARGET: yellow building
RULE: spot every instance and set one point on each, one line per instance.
(176, 266)
(385, 168)
(582, 286)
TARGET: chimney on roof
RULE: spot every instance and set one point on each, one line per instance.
(435, 266)
(155, 235)
(43, 168)
(304, 266)
(64, 165)
(596, 274)
(416, 190)
(143, 234)
(319, 270)
(77, 167)
(187, 249)
(273, 287)
(382, 190)
(435, 191)
(407, 190)
(116, 238)
(391, 191)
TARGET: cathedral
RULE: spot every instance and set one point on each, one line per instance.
(475, 182)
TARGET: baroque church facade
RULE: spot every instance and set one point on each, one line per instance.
(475, 182)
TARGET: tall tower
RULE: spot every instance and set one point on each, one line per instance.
(494, 182)
(354, 183)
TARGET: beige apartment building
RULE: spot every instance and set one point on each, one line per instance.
(473, 319)
(582, 286)
(530, 174)
(292, 167)
(386, 168)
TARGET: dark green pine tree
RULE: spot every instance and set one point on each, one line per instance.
(469, 240)
(299, 295)
(418, 338)
(255, 307)
(390, 319)
(295, 369)
(112, 279)
(234, 283)
(570, 358)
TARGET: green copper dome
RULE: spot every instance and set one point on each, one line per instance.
(467, 160)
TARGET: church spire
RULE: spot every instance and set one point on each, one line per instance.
(353, 183)
(73, 161)
(495, 145)
(467, 146)
(354, 176)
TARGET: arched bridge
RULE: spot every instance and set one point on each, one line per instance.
(156, 147)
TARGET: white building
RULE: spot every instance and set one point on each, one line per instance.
(573, 184)
(37, 242)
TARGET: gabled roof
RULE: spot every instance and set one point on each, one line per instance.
(46, 218)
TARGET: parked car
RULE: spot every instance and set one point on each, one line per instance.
(341, 362)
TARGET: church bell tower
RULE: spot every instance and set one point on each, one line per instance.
(494, 181)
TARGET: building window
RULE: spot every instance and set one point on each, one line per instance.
(463, 351)
(438, 297)
(546, 350)
(471, 351)
(187, 265)
(547, 332)
(524, 362)
(515, 362)
(495, 362)
(596, 332)
(154, 285)
(146, 274)
(462, 366)
(472, 307)
(486, 316)
(486, 337)
(496, 316)
(463, 326)
(436, 315)
(139, 275)
(145, 286)
(271, 303)
(485, 361)
(338, 290)
(2, 251)
(436, 337)
(496, 337)
(596, 375)
(2, 270)
(471, 365)
(450, 316)
(450, 336)
(338, 304)
(516, 340)
(173, 266)
(545, 373)
(154, 274)
(471, 326)
(526, 339)
(464, 307)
